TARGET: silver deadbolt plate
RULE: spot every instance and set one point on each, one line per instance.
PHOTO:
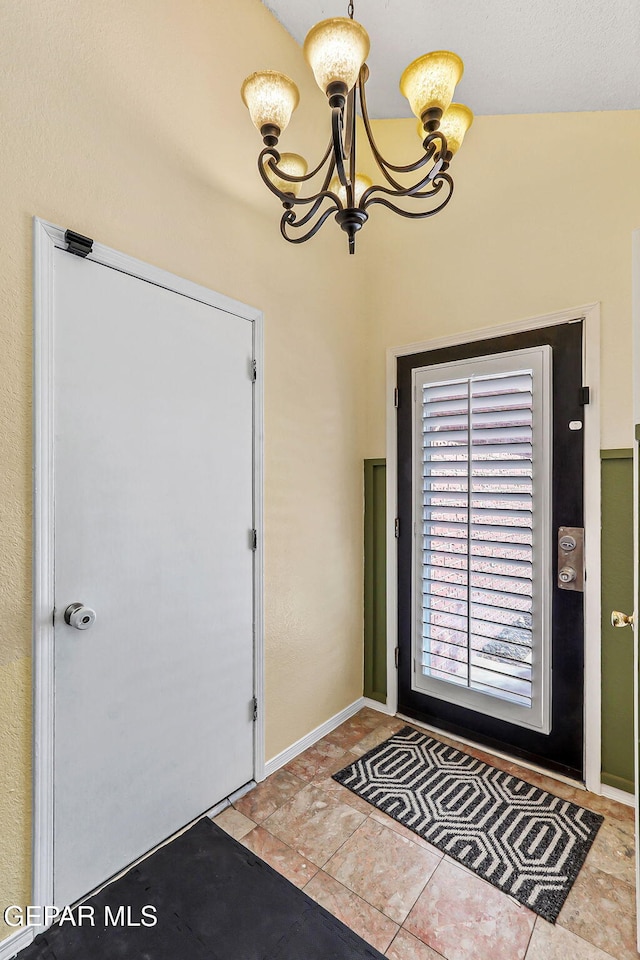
(571, 558)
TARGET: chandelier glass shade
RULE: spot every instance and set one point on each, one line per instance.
(336, 51)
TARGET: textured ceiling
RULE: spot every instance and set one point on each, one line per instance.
(540, 56)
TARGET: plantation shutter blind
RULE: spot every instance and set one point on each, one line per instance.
(481, 534)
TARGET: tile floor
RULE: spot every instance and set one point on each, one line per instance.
(400, 893)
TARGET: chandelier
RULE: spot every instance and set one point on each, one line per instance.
(336, 51)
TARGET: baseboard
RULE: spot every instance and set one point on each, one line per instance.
(614, 793)
(16, 942)
(308, 741)
(376, 705)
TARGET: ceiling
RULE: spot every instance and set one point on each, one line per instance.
(540, 56)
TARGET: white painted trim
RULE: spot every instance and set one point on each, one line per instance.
(376, 705)
(47, 237)
(156, 275)
(592, 551)
(591, 314)
(258, 561)
(43, 566)
(635, 300)
(537, 362)
(290, 753)
(16, 942)
(620, 796)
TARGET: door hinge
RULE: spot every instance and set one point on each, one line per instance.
(254, 539)
(585, 396)
(396, 398)
(396, 527)
(77, 244)
(255, 709)
(254, 371)
(397, 656)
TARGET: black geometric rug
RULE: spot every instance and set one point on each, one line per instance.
(520, 838)
(214, 900)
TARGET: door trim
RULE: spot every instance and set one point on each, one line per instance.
(635, 324)
(46, 237)
(591, 363)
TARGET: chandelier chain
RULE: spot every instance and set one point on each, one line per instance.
(350, 9)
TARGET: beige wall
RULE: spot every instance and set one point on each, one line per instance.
(540, 220)
(124, 121)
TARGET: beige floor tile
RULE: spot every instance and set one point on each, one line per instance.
(353, 730)
(392, 824)
(280, 856)
(385, 869)
(601, 909)
(361, 917)
(613, 850)
(407, 947)
(318, 760)
(234, 823)
(551, 942)
(338, 792)
(464, 918)
(372, 717)
(332, 766)
(265, 799)
(608, 808)
(375, 737)
(314, 824)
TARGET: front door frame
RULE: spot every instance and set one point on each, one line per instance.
(590, 314)
(46, 238)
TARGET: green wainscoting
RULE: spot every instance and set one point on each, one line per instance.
(375, 587)
(617, 594)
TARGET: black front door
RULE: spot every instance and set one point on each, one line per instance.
(490, 466)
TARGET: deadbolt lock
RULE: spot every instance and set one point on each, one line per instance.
(571, 558)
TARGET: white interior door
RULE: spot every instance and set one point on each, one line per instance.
(153, 461)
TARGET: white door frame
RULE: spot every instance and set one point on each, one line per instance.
(46, 238)
(635, 285)
(591, 366)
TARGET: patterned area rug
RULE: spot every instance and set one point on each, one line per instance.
(520, 838)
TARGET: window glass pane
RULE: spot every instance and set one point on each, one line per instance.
(477, 533)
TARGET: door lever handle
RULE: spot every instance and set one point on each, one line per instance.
(621, 619)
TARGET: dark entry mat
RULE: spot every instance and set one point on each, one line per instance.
(214, 900)
(525, 841)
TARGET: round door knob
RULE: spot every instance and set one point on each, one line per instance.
(79, 616)
(567, 575)
(621, 619)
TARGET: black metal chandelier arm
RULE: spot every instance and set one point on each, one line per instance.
(436, 179)
(275, 157)
(289, 220)
(338, 143)
(409, 214)
(385, 165)
(289, 198)
(272, 156)
(310, 214)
